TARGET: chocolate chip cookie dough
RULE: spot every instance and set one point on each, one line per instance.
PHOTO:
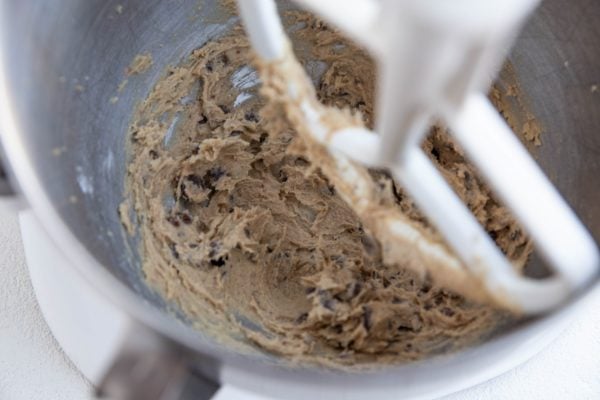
(254, 244)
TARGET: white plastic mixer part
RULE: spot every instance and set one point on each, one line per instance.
(435, 59)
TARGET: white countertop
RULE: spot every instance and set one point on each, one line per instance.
(32, 366)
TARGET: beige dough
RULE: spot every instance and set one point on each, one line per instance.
(140, 64)
(254, 244)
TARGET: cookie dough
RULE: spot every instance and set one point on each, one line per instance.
(140, 64)
(255, 245)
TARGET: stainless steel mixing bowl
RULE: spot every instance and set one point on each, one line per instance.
(49, 48)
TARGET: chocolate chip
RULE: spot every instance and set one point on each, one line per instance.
(425, 288)
(254, 147)
(216, 173)
(202, 227)
(251, 116)
(438, 299)
(224, 59)
(283, 177)
(174, 251)
(357, 287)
(325, 300)
(209, 66)
(186, 218)
(436, 153)
(448, 312)
(184, 196)
(153, 154)
(173, 221)
(219, 262)
(367, 322)
(302, 318)
(301, 162)
(195, 179)
(207, 180)
(203, 120)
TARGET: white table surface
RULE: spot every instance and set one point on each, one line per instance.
(33, 367)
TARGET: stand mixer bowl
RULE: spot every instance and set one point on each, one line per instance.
(47, 51)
